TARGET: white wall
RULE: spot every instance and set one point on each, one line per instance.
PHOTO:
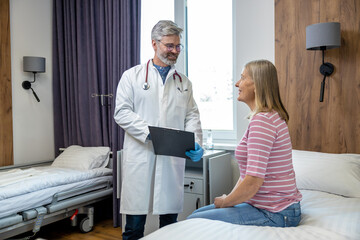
(255, 39)
(33, 128)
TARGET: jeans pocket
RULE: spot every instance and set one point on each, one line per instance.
(291, 221)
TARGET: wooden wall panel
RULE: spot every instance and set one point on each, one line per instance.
(6, 135)
(333, 125)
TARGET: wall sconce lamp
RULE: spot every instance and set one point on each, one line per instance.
(34, 65)
(323, 36)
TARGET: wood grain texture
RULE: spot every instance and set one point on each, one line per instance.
(333, 125)
(6, 134)
(103, 230)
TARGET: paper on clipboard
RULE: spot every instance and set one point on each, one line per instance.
(171, 142)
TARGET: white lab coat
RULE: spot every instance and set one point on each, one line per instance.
(153, 183)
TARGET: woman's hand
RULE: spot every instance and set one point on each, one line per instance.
(219, 201)
(243, 191)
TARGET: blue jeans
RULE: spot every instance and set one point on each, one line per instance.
(246, 214)
(135, 224)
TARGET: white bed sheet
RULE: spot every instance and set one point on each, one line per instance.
(19, 182)
(40, 184)
(324, 216)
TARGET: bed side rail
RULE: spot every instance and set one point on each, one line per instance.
(11, 220)
(84, 199)
(78, 191)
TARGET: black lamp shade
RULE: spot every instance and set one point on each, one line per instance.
(34, 64)
(322, 36)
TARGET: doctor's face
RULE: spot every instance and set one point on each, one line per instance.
(167, 49)
(246, 89)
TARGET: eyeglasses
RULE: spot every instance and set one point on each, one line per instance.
(171, 46)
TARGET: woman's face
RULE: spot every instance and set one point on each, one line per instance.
(246, 89)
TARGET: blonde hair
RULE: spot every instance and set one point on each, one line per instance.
(267, 94)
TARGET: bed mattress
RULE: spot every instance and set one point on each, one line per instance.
(324, 216)
(21, 190)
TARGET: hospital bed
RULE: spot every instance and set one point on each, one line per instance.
(35, 195)
(330, 184)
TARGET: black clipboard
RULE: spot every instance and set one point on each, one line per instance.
(171, 142)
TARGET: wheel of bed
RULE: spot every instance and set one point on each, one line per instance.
(85, 226)
(330, 184)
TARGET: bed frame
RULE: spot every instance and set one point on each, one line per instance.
(67, 204)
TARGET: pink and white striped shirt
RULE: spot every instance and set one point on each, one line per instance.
(265, 151)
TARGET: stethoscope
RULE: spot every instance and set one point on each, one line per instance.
(146, 85)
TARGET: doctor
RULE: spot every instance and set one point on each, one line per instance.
(154, 94)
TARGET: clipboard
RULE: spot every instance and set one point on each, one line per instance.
(171, 142)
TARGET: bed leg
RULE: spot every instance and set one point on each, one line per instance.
(74, 221)
(91, 216)
(74, 218)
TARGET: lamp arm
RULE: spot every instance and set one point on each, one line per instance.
(35, 95)
(322, 89)
(34, 77)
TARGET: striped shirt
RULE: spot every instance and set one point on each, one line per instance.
(265, 151)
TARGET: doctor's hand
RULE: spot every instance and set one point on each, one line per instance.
(148, 137)
(195, 155)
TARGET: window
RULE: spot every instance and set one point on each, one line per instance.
(209, 63)
(209, 60)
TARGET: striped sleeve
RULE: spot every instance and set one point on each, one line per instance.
(261, 138)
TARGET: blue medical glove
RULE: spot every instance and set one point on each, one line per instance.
(195, 155)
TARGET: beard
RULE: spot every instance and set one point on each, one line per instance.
(163, 56)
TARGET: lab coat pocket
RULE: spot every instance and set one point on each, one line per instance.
(136, 152)
(182, 99)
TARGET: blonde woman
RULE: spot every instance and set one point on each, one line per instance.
(266, 192)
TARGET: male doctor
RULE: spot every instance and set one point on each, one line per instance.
(154, 94)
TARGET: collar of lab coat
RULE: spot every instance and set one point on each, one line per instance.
(170, 73)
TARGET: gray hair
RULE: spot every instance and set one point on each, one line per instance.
(165, 28)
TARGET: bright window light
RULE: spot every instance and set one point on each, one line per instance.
(210, 61)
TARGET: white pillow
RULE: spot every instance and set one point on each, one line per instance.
(83, 158)
(327, 172)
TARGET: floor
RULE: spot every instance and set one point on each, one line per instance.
(103, 230)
